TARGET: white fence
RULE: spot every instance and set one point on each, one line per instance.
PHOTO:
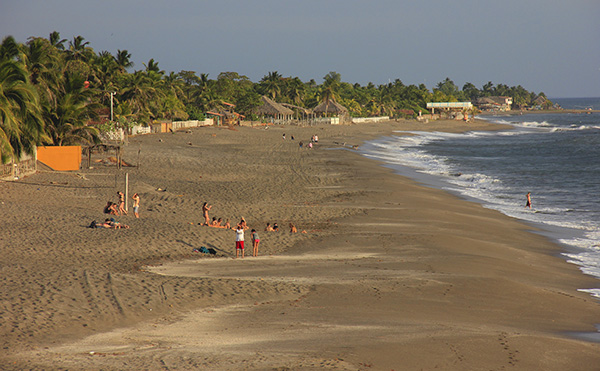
(176, 125)
(138, 129)
(165, 127)
(364, 120)
(117, 135)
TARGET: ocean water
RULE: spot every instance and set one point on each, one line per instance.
(556, 157)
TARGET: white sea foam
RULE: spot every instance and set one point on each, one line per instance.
(494, 193)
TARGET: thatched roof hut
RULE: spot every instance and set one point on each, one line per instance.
(272, 108)
(330, 107)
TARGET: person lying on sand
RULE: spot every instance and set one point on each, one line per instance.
(275, 227)
(293, 228)
(112, 223)
(213, 223)
(227, 224)
(269, 228)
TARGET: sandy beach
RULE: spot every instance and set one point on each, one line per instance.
(389, 274)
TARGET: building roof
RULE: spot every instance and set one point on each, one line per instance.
(291, 106)
(331, 107)
(270, 107)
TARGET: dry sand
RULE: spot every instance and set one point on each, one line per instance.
(391, 275)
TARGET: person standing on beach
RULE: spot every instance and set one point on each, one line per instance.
(239, 241)
(205, 208)
(136, 205)
(122, 203)
(255, 242)
(528, 204)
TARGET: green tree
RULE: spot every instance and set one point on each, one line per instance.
(21, 126)
(271, 85)
(67, 121)
(56, 41)
(470, 91)
(123, 60)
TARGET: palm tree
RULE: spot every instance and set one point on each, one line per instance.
(330, 88)
(152, 66)
(21, 127)
(105, 69)
(44, 64)
(78, 49)
(123, 59)
(143, 92)
(56, 41)
(74, 108)
(271, 84)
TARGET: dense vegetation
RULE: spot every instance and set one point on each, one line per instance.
(51, 90)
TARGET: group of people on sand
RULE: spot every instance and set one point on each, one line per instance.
(239, 240)
(117, 209)
(112, 208)
(275, 228)
(109, 223)
(240, 228)
(313, 139)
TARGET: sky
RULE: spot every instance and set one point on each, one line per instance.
(544, 46)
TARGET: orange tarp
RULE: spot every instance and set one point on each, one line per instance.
(62, 158)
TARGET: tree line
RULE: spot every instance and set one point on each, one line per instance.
(55, 91)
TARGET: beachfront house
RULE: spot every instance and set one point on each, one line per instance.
(494, 103)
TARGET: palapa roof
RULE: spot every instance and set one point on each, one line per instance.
(271, 107)
(331, 107)
(305, 110)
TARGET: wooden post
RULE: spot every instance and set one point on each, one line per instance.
(126, 191)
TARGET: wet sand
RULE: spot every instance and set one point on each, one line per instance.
(389, 274)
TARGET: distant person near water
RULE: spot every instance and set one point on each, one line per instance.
(528, 204)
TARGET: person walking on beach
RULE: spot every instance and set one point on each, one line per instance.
(239, 241)
(205, 208)
(528, 204)
(136, 205)
(122, 203)
(255, 242)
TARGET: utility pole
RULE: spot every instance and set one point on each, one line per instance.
(112, 93)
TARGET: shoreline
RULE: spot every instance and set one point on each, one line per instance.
(553, 232)
(438, 279)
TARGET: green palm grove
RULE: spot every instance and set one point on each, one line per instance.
(53, 90)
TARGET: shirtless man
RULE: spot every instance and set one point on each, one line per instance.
(205, 208)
